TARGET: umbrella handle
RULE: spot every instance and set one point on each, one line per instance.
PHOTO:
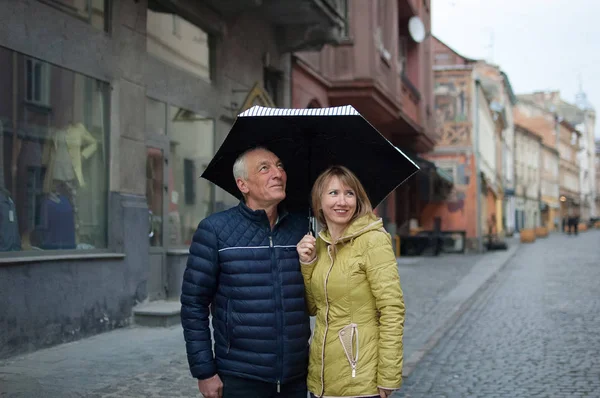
(311, 223)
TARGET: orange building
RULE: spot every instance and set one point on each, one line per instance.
(469, 122)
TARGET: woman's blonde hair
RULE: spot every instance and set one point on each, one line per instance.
(347, 178)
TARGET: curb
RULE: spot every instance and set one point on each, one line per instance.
(460, 308)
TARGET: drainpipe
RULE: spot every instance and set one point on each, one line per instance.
(478, 229)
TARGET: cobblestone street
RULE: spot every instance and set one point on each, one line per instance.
(533, 333)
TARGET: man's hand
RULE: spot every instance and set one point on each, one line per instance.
(306, 249)
(211, 387)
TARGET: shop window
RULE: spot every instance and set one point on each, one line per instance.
(54, 179)
(191, 139)
(94, 12)
(188, 197)
(179, 42)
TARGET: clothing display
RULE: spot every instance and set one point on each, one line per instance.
(57, 224)
(63, 154)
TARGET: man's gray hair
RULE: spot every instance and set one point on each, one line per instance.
(240, 169)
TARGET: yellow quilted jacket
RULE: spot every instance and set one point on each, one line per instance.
(354, 291)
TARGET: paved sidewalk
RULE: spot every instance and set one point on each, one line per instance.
(151, 362)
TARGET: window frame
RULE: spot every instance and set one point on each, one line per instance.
(44, 85)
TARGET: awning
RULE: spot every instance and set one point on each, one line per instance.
(434, 185)
(445, 176)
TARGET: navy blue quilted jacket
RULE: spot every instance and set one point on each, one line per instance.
(251, 276)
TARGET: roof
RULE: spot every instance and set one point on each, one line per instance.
(529, 132)
(509, 89)
(571, 112)
(538, 125)
(469, 60)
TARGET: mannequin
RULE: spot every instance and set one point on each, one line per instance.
(63, 155)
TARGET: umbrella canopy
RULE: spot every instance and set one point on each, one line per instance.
(308, 141)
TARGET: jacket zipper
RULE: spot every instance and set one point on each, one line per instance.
(326, 323)
(228, 326)
(354, 361)
(279, 312)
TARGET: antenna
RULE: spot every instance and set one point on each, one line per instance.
(492, 43)
(490, 46)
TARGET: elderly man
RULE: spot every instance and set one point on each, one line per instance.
(243, 264)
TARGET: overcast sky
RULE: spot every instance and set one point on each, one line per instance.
(540, 44)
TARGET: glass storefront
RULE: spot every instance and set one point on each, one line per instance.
(54, 157)
(188, 197)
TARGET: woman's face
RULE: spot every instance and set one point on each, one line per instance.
(338, 203)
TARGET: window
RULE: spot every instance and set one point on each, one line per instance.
(403, 53)
(384, 34)
(94, 12)
(54, 160)
(178, 42)
(189, 198)
(272, 83)
(343, 11)
(37, 82)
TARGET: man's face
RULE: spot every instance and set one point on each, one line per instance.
(266, 181)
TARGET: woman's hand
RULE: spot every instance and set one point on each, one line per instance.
(306, 249)
(385, 393)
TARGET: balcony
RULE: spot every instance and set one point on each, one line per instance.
(303, 24)
(411, 97)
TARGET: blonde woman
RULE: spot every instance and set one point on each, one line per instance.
(352, 286)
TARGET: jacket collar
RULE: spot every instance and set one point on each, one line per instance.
(260, 215)
(358, 227)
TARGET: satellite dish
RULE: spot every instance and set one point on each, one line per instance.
(416, 29)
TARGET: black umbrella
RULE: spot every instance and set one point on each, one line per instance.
(308, 141)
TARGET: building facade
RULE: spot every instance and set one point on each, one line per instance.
(543, 124)
(528, 161)
(550, 188)
(582, 116)
(386, 75)
(597, 161)
(470, 124)
(569, 170)
(111, 111)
